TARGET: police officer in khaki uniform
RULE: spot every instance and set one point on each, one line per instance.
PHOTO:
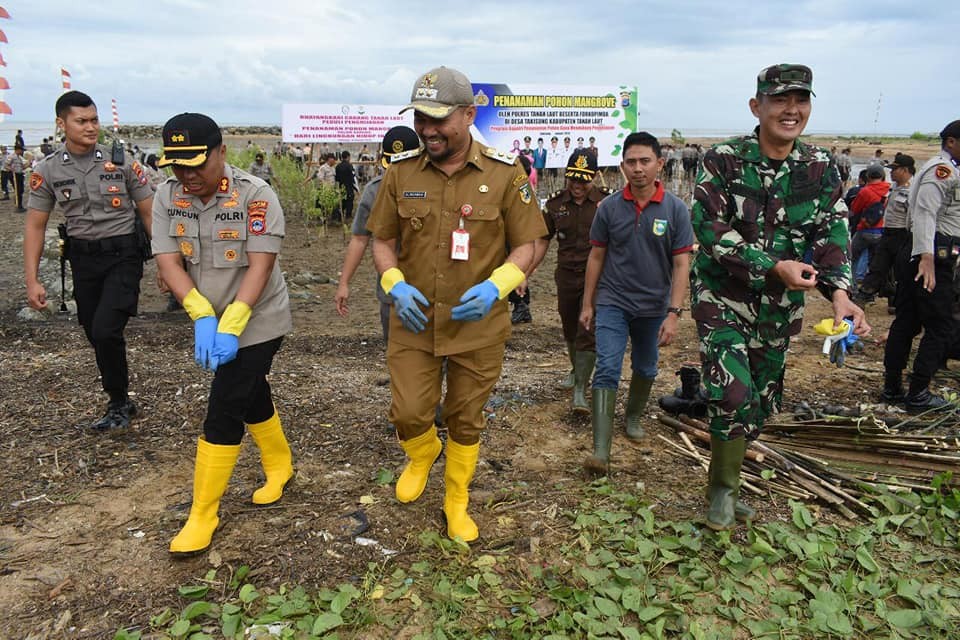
(454, 205)
(568, 214)
(100, 201)
(227, 225)
(925, 275)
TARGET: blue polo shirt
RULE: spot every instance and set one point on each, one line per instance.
(641, 241)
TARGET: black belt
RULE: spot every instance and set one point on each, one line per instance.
(104, 245)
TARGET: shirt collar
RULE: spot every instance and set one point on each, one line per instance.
(656, 197)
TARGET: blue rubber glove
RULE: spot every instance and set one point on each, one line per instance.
(477, 302)
(225, 346)
(204, 330)
(405, 299)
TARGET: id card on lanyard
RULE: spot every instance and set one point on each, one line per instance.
(460, 238)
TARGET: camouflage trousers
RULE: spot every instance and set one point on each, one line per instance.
(742, 375)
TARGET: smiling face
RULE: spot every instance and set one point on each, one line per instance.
(783, 118)
(444, 138)
(204, 180)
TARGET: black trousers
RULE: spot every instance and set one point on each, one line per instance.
(240, 394)
(106, 286)
(918, 309)
(883, 257)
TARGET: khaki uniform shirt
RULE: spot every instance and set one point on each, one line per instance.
(98, 198)
(934, 202)
(421, 206)
(243, 216)
(326, 174)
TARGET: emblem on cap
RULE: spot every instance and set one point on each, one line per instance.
(426, 90)
(178, 137)
(397, 146)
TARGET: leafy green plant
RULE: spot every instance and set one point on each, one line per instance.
(676, 137)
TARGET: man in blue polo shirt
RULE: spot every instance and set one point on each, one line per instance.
(636, 282)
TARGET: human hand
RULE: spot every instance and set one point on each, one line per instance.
(845, 309)
(795, 275)
(586, 317)
(405, 300)
(162, 284)
(522, 289)
(36, 295)
(204, 331)
(477, 302)
(925, 272)
(340, 299)
(225, 347)
(668, 330)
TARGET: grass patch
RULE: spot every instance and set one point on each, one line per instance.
(621, 573)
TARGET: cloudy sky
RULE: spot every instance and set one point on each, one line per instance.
(695, 62)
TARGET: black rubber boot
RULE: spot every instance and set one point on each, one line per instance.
(892, 388)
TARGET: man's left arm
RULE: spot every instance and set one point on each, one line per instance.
(680, 282)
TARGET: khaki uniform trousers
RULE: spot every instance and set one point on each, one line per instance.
(415, 384)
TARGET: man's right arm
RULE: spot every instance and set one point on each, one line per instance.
(33, 236)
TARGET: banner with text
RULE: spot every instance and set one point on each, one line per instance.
(303, 123)
(557, 119)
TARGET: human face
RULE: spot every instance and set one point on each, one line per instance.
(81, 126)
(203, 181)
(783, 117)
(445, 138)
(578, 189)
(952, 146)
(640, 168)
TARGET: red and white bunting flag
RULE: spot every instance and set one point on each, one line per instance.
(65, 78)
(5, 108)
(4, 85)
(3, 62)
(4, 14)
(3, 36)
(116, 115)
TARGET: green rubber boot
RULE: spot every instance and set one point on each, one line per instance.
(569, 381)
(583, 363)
(723, 488)
(636, 402)
(604, 406)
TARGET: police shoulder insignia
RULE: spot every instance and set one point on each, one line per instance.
(505, 158)
(397, 157)
(942, 172)
(36, 181)
(257, 217)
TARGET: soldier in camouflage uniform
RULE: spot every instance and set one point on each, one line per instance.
(761, 202)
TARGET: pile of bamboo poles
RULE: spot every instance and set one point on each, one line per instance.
(836, 461)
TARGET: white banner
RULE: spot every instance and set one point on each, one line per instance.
(557, 119)
(304, 123)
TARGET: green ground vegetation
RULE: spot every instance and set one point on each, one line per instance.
(620, 572)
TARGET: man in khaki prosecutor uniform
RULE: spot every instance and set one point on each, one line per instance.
(454, 205)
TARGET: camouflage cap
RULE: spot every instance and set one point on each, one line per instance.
(781, 78)
(581, 166)
(439, 92)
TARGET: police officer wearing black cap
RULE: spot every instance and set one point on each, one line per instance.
(925, 273)
(396, 141)
(228, 227)
(568, 214)
(100, 201)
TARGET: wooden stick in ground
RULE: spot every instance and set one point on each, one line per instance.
(702, 434)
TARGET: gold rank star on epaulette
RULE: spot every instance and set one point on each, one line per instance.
(505, 158)
(397, 157)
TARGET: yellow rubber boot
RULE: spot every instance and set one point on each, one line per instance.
(422, 451)
(275, 458)
(211, 473)
(461, 463)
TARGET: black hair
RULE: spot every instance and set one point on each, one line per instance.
(642, 138)
(70, 100)
(345, 155)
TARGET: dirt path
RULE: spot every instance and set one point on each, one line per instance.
(85, 519)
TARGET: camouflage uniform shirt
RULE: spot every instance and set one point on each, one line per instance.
(748, 215)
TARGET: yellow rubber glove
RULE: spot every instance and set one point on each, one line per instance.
(234, 319)
(389, 278)
(197, 306)
(825, 327)
(507, 277)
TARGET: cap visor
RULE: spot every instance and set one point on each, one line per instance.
(183, 159)
(432, 109)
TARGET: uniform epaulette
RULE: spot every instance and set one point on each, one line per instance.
(505, 158)
(397, 157)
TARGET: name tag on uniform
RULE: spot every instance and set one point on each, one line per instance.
(460, 245)
(415, 195)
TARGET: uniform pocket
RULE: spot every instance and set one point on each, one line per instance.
(187, 234)
(485, 225)
(114, 196)
(228, 245)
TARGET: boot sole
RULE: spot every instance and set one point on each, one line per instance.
(596, 467)
(183, 555)
(582, 410)
(720, 527)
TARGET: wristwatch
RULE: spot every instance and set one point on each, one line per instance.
(676, 310)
